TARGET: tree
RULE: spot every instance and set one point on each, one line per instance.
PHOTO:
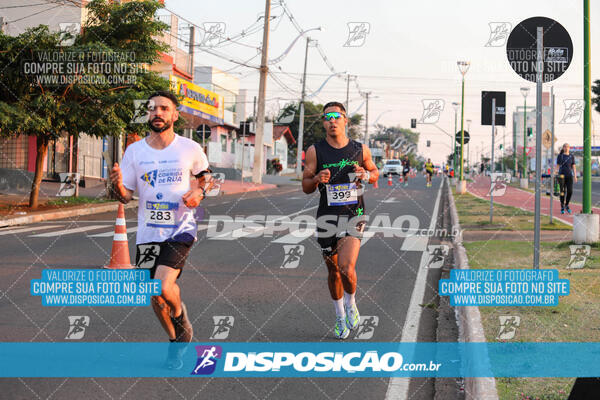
(389, 135)
(313, 123)
(94, 104)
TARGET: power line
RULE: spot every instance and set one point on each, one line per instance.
(216, 53)
(25, 5)
(227, 40)
(31, 15)
(75, 3)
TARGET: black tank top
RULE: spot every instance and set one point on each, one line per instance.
(339, 162)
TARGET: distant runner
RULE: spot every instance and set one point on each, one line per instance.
(405, 170)
(429, 171)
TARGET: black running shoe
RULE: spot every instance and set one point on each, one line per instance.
(183, 328)
(175, 355)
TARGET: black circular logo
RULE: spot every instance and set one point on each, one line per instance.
(521, 49)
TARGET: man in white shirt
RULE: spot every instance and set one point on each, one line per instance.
(160, 167)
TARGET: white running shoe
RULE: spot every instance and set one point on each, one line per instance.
(341, 331)
(352, 316)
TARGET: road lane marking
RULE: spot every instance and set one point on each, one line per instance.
(31, 228)
(296, 236)
(243, 232)
(70, 231)
(111, 233)
(398, 387)
(415, 243)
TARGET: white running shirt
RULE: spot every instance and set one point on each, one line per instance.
(161, 177)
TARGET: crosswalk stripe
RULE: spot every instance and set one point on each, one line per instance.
(205, 227)
(29, 229)
(296, 236)
(243, 232)
(111, 233)
(69, 231)
(135, 228)
(366, 236)
(238, 233)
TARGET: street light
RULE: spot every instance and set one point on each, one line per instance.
(463, 67)
(524, 92)
(455, 105)
(377, 119)
(469, 147)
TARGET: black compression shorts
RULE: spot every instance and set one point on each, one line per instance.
(170, 254)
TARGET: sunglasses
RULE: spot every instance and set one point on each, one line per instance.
(332, 115)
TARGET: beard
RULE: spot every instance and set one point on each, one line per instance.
(166, 125)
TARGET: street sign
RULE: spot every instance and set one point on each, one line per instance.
(521, 49)
(547, 139)
(466, 137)
(486, 107)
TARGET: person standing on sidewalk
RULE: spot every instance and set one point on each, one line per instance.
(160, 168)
(339, 167)
(565, 163)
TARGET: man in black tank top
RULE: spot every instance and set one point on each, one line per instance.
(339, 167)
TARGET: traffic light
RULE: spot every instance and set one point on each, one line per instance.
(529, 132)
(429, 143)
(413, 123)
(501, 146)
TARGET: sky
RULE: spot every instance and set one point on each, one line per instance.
(408, 55)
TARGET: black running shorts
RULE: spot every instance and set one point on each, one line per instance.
(171, 254)
(329, 241)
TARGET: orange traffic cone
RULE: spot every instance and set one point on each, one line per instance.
(119, 255)
(400, 179)
(390, 180)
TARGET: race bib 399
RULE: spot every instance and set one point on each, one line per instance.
(342, 194)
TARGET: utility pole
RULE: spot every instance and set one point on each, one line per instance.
(347, 92)
(301, 121)
(503, 149)
(492, 160)
(244, 124)
(552, 153)
(587, 113)
(367, 121)
(191, 49)
(538, 146)
(262, 88)
(347, 98)
(454, 157)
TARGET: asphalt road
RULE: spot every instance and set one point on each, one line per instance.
(241, 278)
(578, 192)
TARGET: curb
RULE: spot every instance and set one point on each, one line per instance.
(100, 208)
(468, 319)
(256, 188)
(59, 214)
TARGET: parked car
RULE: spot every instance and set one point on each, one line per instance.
(392, 167)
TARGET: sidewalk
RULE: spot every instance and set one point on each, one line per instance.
(523, 199)
(14, 208)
